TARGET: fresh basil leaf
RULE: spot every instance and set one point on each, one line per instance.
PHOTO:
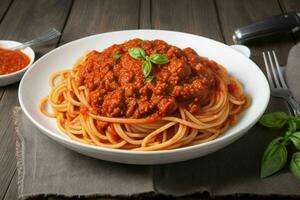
(147, 58)
(295, 165)
(273, 143)
(274, 158)
(295, 138)
(149, 79)
(116, 56)
(137, 53)
(292, 125)
(274, 120)
(146, 68)
(287, 136)
(297, 120)
(159, 59)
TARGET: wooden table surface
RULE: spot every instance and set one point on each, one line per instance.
(22, 20)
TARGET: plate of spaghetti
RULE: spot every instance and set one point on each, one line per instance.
(144, 96)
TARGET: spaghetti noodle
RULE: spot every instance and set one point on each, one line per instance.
(106, 101)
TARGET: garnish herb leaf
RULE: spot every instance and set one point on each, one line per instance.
(292, 125)
(116, 56)
(274, 158)
(149, 79)
(137, 53)
(295, 138)
(146, 68)
(147, 58)
(274, 120)
(297, 120)
(159, 59)
(295, 165)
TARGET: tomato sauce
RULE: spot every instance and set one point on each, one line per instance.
(118, 88)
(12, 61)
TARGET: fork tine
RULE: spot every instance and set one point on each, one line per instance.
(277, 84)
(278, 70)
(268, 71)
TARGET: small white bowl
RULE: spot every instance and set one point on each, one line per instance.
(10, 78)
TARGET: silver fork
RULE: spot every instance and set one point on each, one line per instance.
(49, 35)
(277, 83)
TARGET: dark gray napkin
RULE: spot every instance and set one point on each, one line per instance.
(47, 168)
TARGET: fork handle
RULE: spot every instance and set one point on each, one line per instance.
(294, 104)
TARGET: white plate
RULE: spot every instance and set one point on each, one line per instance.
(7, 79)
(34, 86)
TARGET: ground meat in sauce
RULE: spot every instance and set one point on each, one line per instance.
(118, 88)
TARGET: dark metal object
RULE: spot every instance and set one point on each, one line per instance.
(289, 22)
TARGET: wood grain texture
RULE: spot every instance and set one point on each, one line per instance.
(192, 16)
(4, 5)
(33, 18)
(1, 92)
(23, 21)
(94, 16)
(145, 14)
(12, 193)
(237, 13)
(288, 6)
(7, 140)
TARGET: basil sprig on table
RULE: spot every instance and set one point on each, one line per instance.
(275, 156)
(140, 54)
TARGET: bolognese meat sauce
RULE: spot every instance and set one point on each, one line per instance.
(12, 61)
(118, 88)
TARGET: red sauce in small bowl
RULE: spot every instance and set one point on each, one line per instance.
(12, 61)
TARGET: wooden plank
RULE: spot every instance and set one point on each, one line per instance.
(1, 92)
(7, 138)
(12, 191)
(7, 154)
(99, 17)
(288, 6)
(4, 6)
(145, 14)
(192, 16)
(32, 18)
(237, 13)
